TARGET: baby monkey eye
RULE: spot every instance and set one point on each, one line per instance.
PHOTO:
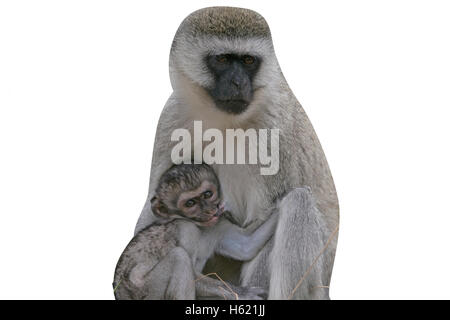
(221, 58)
(207, 194)
(189, 203)
(248, 59)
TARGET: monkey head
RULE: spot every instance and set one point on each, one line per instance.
(222, 57)
(189, 191)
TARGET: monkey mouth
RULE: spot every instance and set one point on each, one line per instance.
(219, 211)
(234, 106)
(212, 220)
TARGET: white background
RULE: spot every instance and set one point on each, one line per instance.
(82, 84)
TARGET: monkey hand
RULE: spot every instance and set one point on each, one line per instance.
(250, 293)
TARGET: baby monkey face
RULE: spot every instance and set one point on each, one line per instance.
(202, 205)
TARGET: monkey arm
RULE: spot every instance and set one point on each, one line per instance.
(238, 245)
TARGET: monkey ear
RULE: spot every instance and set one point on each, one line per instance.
(159, 208)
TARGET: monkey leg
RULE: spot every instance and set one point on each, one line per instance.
(172, 278)
(291, 263)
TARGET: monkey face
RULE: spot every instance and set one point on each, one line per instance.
(223, 58)
(191, 192)
(233, 80)
(203, 205)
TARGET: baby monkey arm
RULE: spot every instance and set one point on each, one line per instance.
(238, 245)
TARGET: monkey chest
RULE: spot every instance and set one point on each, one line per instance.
(245, 191)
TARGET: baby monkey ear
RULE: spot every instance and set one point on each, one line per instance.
(159, 208)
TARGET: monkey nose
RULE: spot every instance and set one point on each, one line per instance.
(236, 82)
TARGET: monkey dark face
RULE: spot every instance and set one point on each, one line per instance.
(233, 80)
(202, 205)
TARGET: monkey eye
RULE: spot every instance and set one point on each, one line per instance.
(222, 58)
(207, 194)
(190, 203)
(248, 59)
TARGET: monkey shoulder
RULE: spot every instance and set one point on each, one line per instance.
(187, 234)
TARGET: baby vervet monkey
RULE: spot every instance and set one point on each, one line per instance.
(165, 260)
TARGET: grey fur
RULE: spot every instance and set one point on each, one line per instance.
(225, 22)
(285, 258)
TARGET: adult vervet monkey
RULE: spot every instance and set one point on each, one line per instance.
(224, 73)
